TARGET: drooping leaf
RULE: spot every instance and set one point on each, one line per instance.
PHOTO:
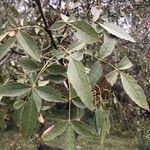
(58, 25)
(56, 69)
(85, 32)
(134, 91)
(57, 130)
(5, 47)
(49, 94)
(100, 119)
(78, 103)
(14, 89)
(95, 73)
(56, 78)
(117, 31)
(80, 82)
(83, 129)
(29, 45)
(69, 138)
(18, 103)
(112, 77)
(28, 64)
(125, 63)
(102, 123)
(107, 47)
(29, 118)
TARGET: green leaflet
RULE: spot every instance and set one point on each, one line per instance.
(14, 89)
(95, 73)
(29, 118)
(80, 82)
(56, 78)
(57, 73)
(2, 36)
(76, 47)
(58, 25)
(28, 64)
(78, 103)
(5, 47)
(102, 123)
(134, 91)
(86, 32)
(29, 45)
(56, 69)
(125, 63)
(49, 94)
(69, 138)
(112, 77)
(83, 129)
(18, 103)
(37, 100)
(76, 55)
(117, 31)
(57, 130)
(107, 47)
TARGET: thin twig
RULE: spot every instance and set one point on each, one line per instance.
(45, 23)
(69, 99)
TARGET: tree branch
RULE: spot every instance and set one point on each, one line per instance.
(45, 23)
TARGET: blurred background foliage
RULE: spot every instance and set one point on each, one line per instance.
(133, 15)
